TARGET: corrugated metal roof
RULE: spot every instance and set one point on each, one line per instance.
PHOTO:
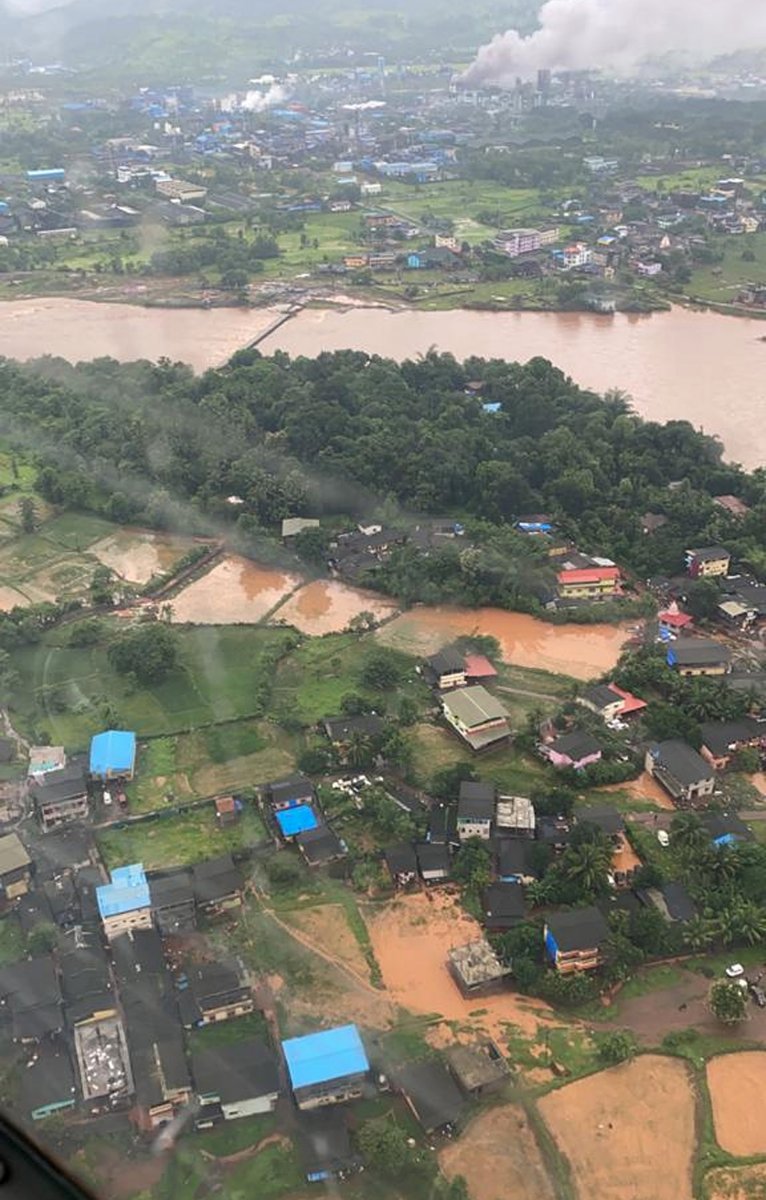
(112, 752)
(321, 1057)
(127, 891)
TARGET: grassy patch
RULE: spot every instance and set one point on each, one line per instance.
(273, 1172)
(76, 530)
(266, 948)
(228, 1033)
(223, 673)
(236, 1135)
(11, 941)
(169, 841)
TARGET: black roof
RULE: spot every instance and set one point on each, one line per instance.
(62, 897)
(401, 858)
(698, 652)
(139, 951)
(441, 824)
(84, 1009)
(84, 972)
(7, 749)
(578, 928)
(68, 783)
(503, 905)
(681, 761)
(323, 1141)
(171, 889)
(320, 845)
(87, 879)
(209, 981)
(726, 824)
(215, 878)
(50, 1079)
(32, 910)
(448, 661)
(555, 830)
(719, 736)
(341, 729)
(477, 790)
(512, 856)
(678, 902)
(294, 787)
(30, 983)
(600, 696)
(241, 1071)
(576, 745)
(159, 1067)
(435, 1097)
(709, 553)
(608, 819)
(60, 851)
(37, 1022)
(433, 856)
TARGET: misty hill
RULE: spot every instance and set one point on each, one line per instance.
(143, 39)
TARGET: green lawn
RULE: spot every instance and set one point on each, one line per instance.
(220, 674)
(228, 1033)
(77, 530)
(178, 841)
(721, 282)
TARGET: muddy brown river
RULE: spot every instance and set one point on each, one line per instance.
(698, 366)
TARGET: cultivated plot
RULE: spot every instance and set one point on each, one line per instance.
(628, 1132)
(736, 1083)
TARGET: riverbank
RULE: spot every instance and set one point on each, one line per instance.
(656, 360)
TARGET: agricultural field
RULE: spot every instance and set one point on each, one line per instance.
(627, 1132)
(498, 1155)
(221, 674)
(720, 282)
(736, 1083)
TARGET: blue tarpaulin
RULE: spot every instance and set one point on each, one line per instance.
(297, 819)
(321, 1057)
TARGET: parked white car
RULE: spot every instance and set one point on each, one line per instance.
(735, 970)
(663, 837)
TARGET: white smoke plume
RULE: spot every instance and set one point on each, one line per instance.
(618, 35)
(255, 101)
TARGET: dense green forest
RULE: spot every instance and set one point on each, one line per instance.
(347, 435)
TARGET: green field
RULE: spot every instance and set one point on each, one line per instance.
(218, 678)
(721, 282)
(178, 841)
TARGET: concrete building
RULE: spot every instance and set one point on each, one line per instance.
(706, 562)
(326, 1068)
(212, 992)
(239, 1080)
(61, 797)
(684, 774)
(125, 903)
(575, 939)
(113, 755)
(478, 1067)
(15, 867)
(475, 967)
(477, 717)
(475, 810)
(698, 656)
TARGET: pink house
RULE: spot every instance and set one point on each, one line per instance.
(577, 750)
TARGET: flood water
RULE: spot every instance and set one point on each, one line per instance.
(235, 592)
(582, 651)
(698, 366)
(327, 606)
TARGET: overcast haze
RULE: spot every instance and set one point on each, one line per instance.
(618, 35)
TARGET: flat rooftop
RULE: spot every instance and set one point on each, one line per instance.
(102, 1059)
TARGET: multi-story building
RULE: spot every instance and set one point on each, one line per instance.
(125, 903)
(326, 1068)
(575, 940)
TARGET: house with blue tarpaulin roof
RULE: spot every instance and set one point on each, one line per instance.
(329, 1067)
(295, 820)
(125, 902)
(113, 755)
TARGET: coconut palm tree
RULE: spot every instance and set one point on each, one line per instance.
(587, 865)
(749, 922)
(699, 933)
(688, 833)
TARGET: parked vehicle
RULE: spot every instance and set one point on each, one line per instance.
(663, 837)
(735, 970)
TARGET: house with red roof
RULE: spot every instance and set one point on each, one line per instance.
(478, 668)
(588, 583)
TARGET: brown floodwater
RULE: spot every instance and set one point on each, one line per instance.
(581, 651)
(138, 554)
(236, 591)
(327, 606)
(698, 366)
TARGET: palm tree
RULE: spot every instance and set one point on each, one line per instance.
(359, 753)
(749, 921)
(688, 833)
(587, 865)
(699, 934)
(724, 865)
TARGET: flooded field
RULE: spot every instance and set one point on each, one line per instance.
(236, 591)
(581, 651)
(327, 606)
(411, 937)
(138, 554)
